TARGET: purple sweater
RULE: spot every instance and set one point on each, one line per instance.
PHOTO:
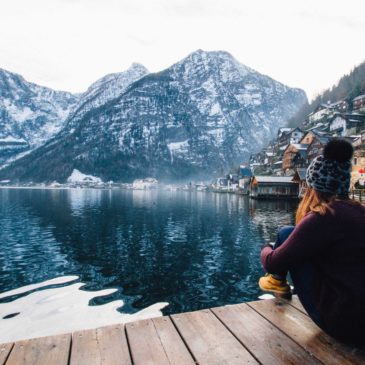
(335, 245)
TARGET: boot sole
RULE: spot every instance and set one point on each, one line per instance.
(275, 291)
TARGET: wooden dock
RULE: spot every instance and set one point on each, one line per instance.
(263, 332)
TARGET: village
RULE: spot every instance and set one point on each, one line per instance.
(278, 171)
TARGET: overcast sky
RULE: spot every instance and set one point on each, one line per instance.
(68, 44)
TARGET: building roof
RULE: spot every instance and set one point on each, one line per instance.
(320, 135)
(335, 116)
(319, 107)
(284, 129)
(356, 121)
(316, 129)
(359, 97)
(356, 116)
(299, 146)
(338, 102)
(323, 139)
(274, 179)
(302, 173)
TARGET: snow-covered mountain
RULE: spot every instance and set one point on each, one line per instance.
(199, 117)
(29, 114)
(102, 91)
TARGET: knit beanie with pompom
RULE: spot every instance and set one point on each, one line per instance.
(331, 172)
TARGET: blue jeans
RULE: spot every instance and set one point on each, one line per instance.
(302, 277)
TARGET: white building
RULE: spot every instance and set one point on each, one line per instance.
(338, 125)
(145, 184)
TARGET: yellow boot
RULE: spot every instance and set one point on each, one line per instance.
(273, 285)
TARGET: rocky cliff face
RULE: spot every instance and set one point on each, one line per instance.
(102, 91)
(29, 114)
(199, 117)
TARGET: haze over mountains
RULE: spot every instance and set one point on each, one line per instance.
(197, 118)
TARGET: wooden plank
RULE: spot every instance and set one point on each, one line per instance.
(41, 351)
(175, 349)
(209, 341)
(295, 302)
(145, 344)
(303, 331)
(4, 352)
(268, 344)
(102, 346)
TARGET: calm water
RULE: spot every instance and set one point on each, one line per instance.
(193, 250)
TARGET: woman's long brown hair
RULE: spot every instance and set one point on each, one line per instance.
(314, 201)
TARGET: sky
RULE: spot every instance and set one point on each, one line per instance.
(69, 44)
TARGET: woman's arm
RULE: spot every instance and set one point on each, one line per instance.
(310, 238)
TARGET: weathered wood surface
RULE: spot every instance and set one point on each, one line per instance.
(295, 302)
(298, 326)
(261, 338)
(156, 341)
(271, 332)
(209, 340)
(41, 351)
(4, 352)
(101, 346)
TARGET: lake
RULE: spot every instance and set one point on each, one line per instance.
(193, 250)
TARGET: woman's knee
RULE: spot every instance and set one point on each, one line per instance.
(284, 232)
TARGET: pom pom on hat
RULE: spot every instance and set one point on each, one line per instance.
(338, 149)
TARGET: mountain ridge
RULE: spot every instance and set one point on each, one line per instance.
(29, 114)
(199, 116)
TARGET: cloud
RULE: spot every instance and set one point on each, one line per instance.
(354, 22)
(70, 43)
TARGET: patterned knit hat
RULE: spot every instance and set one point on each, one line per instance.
(331, 172)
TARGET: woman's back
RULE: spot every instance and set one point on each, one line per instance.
(340, 290)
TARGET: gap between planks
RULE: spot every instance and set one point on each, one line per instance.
(5, 350)
(262, 339)
(298, 326)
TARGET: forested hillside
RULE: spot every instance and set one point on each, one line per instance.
(347, 88)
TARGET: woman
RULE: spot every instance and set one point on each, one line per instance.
(325, 252)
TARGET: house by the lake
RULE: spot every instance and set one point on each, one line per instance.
(244, 181)
(289, 157)
(316, 147)
(300, 178)
(266, 187)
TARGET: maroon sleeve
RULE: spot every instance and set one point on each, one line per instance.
(310, 238)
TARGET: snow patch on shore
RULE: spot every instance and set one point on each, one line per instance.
(78, 176)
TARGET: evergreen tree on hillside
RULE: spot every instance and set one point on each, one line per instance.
(349, 87)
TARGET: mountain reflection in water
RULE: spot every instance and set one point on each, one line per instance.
(191, 249)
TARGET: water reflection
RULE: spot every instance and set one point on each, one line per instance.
(81, 199)
(193, 250)
(60, 306)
